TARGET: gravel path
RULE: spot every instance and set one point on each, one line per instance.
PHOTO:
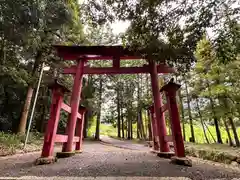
(101, 160)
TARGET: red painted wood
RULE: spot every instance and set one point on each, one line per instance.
(63, 138)
(164, 108)
(66, 107)
(92, 58)
(116, 62)
(168, 138)
(170, 90)
(79, 116)
(75, 52)
(161, 126)
(75, 99)
(111, 58)
(52, 125)
(79, 130)
(121, 70)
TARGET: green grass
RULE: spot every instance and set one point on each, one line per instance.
(199, 135)
(11, 143)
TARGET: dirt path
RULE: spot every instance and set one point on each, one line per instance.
(101, 160)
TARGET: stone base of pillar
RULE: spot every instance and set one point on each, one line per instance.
(154, 151)
(166, 155)
(78, 151)
(45, 160)
(65, 154)
(181, 161)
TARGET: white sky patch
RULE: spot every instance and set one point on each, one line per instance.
(120, 26)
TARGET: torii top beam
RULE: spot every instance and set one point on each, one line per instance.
(114, 53)
(96, 52)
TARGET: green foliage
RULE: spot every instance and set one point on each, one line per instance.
(165, 31)
(228, 41)
(27, 31)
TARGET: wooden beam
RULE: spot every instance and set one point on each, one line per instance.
(79, 116)
(74, 52)
(121, 70)
(168, 138)
(66, 107)
(116, 62)
(108, 58)
(164, 108)
(63, 138)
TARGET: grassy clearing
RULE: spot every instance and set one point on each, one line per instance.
(109, 130)
(12, 143)
(199, 135)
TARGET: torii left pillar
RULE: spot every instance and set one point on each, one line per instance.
(67, 149)
(161, 125)
(47, 156)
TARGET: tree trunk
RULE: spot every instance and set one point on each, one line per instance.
(97, 134)
(122, 119)
(27, 103)
(182, 113)
(86, 120)
(146, 127)
(234, 131)
(201, 120)
(128, 124)
(142, 126)
(23, 121)
(229, 116)
(131, 132)
(218, 132)
(210, 132)
(149, 127)
(118, 114)
(228, 132)
(190, 114)
(139, 135)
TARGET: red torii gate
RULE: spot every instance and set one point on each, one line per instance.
(82, 54)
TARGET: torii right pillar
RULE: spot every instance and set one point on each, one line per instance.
(170, 90)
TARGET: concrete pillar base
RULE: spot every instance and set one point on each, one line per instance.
(45, 160)
(78, 151)
(181, 161)
(154, 151)
(65, 154)
(166, 155)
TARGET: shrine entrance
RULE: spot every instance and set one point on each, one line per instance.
(72, 140)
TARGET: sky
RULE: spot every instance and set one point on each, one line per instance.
(120, 26)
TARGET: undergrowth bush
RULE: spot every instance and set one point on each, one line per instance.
(218, 155)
